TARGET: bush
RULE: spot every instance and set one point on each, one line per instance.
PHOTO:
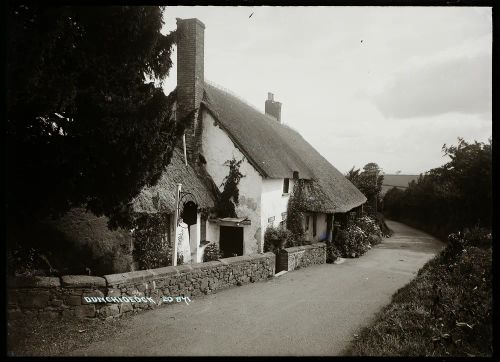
(151, 249)
(211, 252)
(332, 252)
(277, 238)
(352, 242)
(445, 311)
(458, 242)
(380, 219)
(21, 261)
(78, 243)
(370, 228)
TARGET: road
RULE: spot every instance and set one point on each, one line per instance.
(311, 311)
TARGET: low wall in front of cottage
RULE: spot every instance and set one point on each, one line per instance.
(301, 257)
(80, 296)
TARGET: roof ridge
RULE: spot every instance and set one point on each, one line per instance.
(231, 93)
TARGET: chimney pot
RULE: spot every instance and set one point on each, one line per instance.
(270, 96)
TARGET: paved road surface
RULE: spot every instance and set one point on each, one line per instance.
(312, 311)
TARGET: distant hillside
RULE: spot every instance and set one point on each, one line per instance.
(400, 181)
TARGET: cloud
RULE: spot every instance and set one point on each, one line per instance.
(460, 85)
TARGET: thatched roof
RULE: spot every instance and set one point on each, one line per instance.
(161, 197)
(276, 151)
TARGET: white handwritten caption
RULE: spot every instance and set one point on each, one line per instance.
(128, 299)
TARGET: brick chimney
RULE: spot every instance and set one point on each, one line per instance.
(273, 108)
(190, 78)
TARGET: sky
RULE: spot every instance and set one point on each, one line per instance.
(388, 85)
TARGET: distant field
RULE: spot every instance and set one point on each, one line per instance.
(400, 181)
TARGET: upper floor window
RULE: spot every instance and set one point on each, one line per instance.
(286, 185)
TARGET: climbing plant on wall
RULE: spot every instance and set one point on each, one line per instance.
(151, 246)
(229, 198)
(295, 215)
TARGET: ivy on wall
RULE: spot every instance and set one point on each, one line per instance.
(229, 198)
(295, 214)
(151, 246)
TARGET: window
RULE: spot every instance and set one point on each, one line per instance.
(351, 217)
(270, 221)
(314, 224)
(203, 229)
(286, 185)
(308, 218)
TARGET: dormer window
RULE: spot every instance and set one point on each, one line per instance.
(286, 185)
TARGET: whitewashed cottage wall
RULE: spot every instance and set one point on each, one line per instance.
(217, 148)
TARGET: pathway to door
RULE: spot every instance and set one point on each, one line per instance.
(312, 311)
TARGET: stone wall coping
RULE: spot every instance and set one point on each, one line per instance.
(295, 249)
(112, 280)
(207, 264)
(165, 271)
(245, 258)
(82, 281)
(33, 282)
(129, 277)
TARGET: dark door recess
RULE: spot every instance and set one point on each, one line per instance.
(231, 241)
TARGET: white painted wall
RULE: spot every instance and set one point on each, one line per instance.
(274, 202)
(217, 148)
(213, 232)
(194, 238)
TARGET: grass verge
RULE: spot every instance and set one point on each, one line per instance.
(445, 311)
(33, 337)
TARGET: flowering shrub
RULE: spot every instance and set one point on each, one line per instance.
(371, 229)
(352, 242)
(211, 252)
(277, 238)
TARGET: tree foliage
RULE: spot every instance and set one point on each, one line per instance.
(85, 125)
(369, 182)
(448, 198)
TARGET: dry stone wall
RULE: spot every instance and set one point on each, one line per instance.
(301, 257)
(77, 296)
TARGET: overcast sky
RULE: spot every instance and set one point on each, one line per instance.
(389, 85)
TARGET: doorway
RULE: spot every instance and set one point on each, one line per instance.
(231, 241)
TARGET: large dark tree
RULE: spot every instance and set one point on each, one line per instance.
(86, 126)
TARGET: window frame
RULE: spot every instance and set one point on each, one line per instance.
(286, 185)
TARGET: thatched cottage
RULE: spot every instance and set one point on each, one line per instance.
(274, 156)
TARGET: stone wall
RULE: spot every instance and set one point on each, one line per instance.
(76, 295)
(301, 257)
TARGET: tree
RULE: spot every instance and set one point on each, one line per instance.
(369, 182)
(86, 124)
(451, 197)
